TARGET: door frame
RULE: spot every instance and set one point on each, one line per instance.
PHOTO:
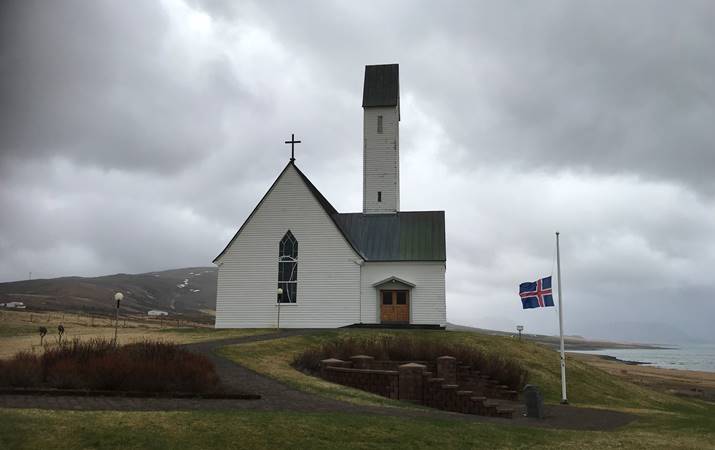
(394, 297)
(392, 283)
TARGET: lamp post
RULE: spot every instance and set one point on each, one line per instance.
(118, 297)
(279, 291)
(520, 328)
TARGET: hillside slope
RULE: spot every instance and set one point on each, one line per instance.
(189, 291)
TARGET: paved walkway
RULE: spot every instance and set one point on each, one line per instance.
(276, 396)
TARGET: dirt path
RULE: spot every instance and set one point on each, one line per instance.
(276, 396)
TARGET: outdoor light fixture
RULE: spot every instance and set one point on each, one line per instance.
(279, 291)
(118, 297)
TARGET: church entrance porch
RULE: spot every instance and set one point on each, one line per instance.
(394, 306)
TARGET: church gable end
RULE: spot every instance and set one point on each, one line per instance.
(320, 279)
(329, 210)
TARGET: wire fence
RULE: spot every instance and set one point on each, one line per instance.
(99, 320)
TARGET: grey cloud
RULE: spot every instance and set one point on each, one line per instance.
(600, 86)
(131, 142)
(96, 82)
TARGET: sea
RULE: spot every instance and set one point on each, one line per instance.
(684, 357)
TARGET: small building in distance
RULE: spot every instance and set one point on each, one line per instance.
(15, 305)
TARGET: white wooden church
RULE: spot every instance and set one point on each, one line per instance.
(299, 263)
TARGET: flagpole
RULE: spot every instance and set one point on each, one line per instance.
(564, 400)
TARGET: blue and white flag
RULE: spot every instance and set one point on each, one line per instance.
(536, 294)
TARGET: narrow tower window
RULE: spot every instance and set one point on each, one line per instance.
(379, 196)
(379, 124)
(288, 268)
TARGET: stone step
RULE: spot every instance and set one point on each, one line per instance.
(511, 395)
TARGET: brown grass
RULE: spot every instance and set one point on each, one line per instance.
(18, 333)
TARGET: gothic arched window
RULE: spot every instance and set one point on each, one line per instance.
(288, 268)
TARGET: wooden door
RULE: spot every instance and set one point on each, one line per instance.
(395, 306)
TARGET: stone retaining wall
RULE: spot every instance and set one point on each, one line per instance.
(454, 388)
(380, 382)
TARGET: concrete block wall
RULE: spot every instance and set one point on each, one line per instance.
(414, 383)
(380, 382)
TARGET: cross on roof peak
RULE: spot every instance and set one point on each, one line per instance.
(292, 143)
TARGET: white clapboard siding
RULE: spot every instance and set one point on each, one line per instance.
(381, 160)
(328, 273)
(427, 302)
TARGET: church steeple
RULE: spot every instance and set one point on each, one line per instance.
(381, 139)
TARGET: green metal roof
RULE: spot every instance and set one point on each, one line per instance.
(403, 236)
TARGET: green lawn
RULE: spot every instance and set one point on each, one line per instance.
(664, 421)
(32, 429)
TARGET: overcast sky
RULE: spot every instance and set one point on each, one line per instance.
(139, 137)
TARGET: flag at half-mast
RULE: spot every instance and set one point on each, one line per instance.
(536, 294)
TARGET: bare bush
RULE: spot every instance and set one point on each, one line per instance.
(147, 366)
(22, 370)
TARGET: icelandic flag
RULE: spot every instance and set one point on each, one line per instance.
(536, 294)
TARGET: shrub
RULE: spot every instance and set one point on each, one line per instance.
(22, 370)
(147, 366)
(64, 375)
(412, 348)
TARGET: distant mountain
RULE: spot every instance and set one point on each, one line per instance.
(657, 332)
(572, 342)
(188, 292)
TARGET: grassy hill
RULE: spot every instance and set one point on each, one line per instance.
(190, 291)
(587, 384)
(664, 421)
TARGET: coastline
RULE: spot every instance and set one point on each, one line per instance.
(687, 383)
(585, 345)
(622, 361)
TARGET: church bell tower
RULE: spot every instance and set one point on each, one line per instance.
(381, 139)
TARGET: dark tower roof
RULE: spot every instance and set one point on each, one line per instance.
(382, 85)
